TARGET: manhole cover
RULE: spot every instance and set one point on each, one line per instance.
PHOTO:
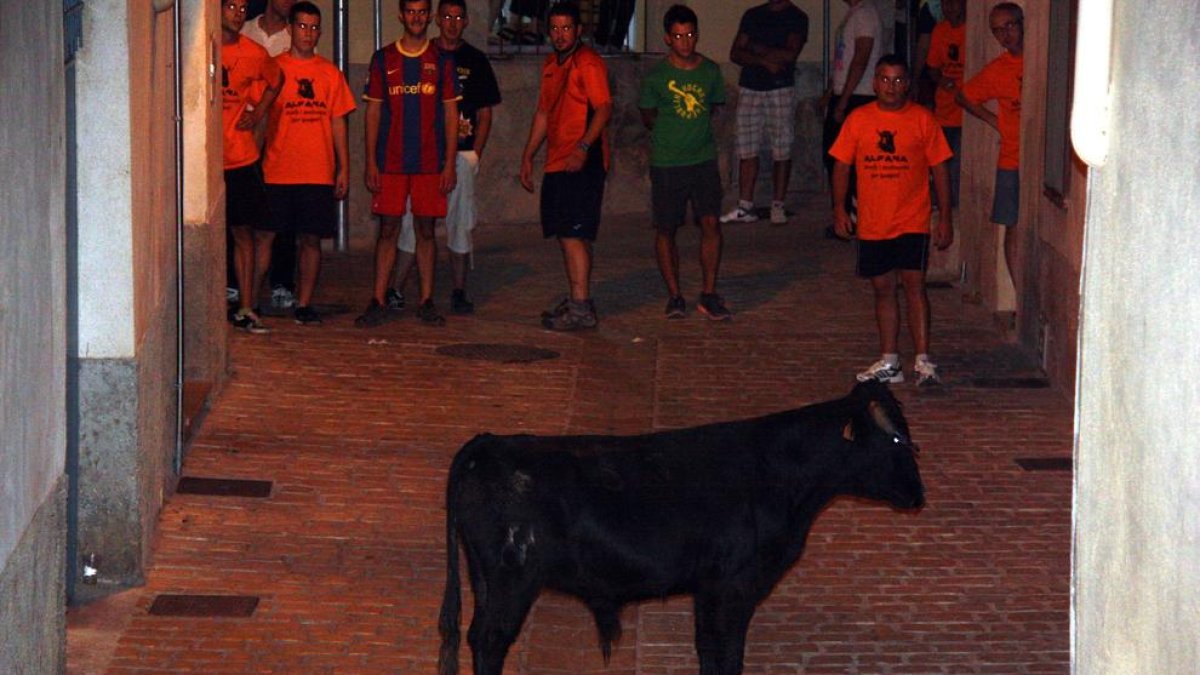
(497, 353)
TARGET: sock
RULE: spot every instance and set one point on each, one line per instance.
(892, 359)
(922, 357)
(749, 206)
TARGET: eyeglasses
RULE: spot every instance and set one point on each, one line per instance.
(1005, 27)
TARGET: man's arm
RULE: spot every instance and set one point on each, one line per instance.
(841, 185)
(591, 136)
(341, 139)
(255, 113)
(537, 134)
(943, 234)
(483, 129)
(449, 170)
(746, 52)
(371, 125)
(854, 74)
(977, 110)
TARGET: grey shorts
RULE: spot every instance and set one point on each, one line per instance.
(672, 187)
(1006, 203)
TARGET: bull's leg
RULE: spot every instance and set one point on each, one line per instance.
(722, 619)
(496, 622)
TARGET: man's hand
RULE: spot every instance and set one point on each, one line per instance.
(248, 120)
(341, 184)
(841, 222)
(943, 233)
(371, 177)
(449, 178)
(527, 173)
(577, 159)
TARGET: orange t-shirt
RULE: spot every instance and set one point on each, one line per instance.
(947, 53)
(1001, 80)
(246, 69)
(300, 130)
(891, 152)
(570, 91)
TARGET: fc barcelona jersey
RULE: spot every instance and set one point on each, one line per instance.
(412, 88)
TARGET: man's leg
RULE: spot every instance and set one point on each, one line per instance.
(667, 254)
(887, 312)
(310, 267)
(262, 262)
(283, 256)
(711, 243)
(917, 303)
(781, 173)
(458, 263)
(747, 177)
(385, 256)
(577, 259)
(426, 255)
(1010, 253)
(243, 264)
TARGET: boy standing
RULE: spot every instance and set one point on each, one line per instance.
(306, 163)
(894, 145)
(676, 102)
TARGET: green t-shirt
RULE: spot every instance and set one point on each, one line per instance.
(684, 99)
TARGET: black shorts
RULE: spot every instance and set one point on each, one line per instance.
(245, 198)
(906, 252)
(1006, 202)
(302, 209)
(571, 201)
(672, 187)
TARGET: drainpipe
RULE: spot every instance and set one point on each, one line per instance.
(177, 23)
(341, 56)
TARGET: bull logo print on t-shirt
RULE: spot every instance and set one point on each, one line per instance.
(306, 88)
(687, 99)
(887, 141)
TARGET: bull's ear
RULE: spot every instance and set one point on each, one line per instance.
(848, 431)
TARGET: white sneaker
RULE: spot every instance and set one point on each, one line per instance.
(740, 215)
(926, 373)
(231, 294)
(883, 371)
(778, 214)
(282, 298)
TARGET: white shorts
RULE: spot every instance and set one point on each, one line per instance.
(772, 112)
(460, 209)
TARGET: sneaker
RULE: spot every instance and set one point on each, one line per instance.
(559, 309)
(778, 214)
(740, 215)
(676, 308)
(883, 371)
(459, 304)
(926, 373)
(248, 321)
(712, 306)
(375, 315)
(395, 299)
(429, 316)
(282, 298)
(305, 315)
(577, 316)
(232, 295)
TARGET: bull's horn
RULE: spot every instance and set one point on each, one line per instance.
(883, 421)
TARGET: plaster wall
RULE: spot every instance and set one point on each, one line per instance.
(1136, 595)
(32, 338)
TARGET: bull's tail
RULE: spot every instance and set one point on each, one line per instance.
(448, 621)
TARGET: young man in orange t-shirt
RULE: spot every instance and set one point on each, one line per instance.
(250, 81)
(572, 115)
(894, 145)
(306, 165)
(945, 60)
(1001, 80)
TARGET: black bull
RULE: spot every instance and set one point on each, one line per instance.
(719, 511)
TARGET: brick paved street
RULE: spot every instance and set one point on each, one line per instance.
(356, 429)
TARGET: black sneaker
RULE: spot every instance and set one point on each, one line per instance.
(712, 306)
(305, 315)
(248, 321)
(429, 316)
(676, 308)
(579, 315)
(459, 304)
(375, 315)
(560, 308)
(394, 298)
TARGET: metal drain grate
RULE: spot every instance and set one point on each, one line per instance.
(497, 353)
(1045, 463)
(1011, 383)
(204, 605)
(224, 487)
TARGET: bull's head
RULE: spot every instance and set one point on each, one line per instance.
(885, 455)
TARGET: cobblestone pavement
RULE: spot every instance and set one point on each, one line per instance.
(356, 428)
